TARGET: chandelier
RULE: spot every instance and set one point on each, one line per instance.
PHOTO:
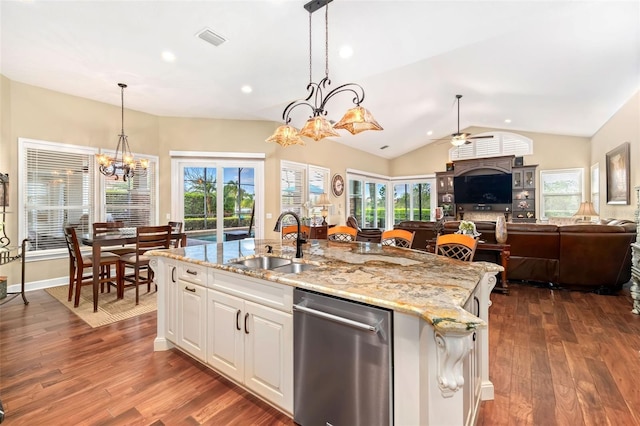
(355, 120)
(122, 163)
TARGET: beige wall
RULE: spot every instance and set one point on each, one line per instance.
(624, 126)
(36, 113)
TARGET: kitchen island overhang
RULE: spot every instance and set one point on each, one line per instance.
(440, 312)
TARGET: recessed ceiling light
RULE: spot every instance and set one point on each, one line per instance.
(168, 56)
(346, 52)
(430, 132)
(246, 89)
(507, 120)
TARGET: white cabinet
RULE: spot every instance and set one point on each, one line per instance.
(192, 310)
(251, 342)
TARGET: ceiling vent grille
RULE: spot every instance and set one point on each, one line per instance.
(211, 37)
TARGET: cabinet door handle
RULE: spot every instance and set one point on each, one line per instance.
(246, 329)
(192, 290)
(173, 274)
(190, 272)
(238, 320)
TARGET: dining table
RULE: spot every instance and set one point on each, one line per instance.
(125, 236)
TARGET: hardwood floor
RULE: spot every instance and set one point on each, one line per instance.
(56, 370)
(556, 358)
(561, 357)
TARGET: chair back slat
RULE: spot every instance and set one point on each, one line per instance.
(342, 233)
(71, 239)
(152, 238)
(101, 228)
(398, 238)
(456, 246)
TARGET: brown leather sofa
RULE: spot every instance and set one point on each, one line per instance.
(594, 257)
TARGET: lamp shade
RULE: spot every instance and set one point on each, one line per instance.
(318, 128)
(286, 135)
(323, 200)
(586, 209)
(357, 120)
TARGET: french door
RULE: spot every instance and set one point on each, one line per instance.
(218, 199)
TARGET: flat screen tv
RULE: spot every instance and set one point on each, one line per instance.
(483, 189)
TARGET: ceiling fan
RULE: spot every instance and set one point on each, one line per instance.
(458, 139)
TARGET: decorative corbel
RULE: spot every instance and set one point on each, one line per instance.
(452, 348)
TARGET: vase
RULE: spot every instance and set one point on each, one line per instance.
(501, 230)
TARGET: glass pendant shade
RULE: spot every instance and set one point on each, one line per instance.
(357, 120)
(286, 135)
(459, 140)
(318, 128)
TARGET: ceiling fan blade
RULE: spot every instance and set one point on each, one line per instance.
(480, 137)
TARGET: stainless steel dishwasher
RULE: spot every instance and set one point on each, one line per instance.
(342, 362)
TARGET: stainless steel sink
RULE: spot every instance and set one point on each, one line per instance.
(264, 262)
(294, 268)
(275, 263)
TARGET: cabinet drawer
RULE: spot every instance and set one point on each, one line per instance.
(274, 295)
(192, 273)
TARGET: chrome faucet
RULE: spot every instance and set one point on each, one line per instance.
(299, 240)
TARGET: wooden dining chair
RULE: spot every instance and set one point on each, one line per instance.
(104, 228)
(342, 233)
(79, 263)
(147, 238)
(397, 237)
(456, 246)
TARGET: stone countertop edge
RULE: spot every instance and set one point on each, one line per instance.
(409, 281)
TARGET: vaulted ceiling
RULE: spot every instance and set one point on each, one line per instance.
(561, 67)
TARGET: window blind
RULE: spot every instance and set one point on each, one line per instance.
(133, 201)
(292, 184)
(58, 186)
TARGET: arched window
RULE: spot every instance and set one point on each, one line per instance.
(502, 143)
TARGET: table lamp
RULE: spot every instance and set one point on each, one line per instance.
(324, 202)
(585, 211)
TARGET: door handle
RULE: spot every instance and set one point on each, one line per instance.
(335, 318)
(192, 290)
(190, 272)
(173, 274)
(238, 320)
(246, 329)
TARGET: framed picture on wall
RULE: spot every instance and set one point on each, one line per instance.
(618, 176)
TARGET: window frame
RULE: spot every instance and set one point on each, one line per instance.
(580, 193)
(25, 144)
(390, 183)
(307, 207)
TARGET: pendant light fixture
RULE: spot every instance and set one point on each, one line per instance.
(122, 163)
(355, 120)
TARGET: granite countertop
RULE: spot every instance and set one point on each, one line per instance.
(418, 283)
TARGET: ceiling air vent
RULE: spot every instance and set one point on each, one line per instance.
(211, 37)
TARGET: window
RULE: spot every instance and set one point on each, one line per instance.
(411, 201)
(218, 195)
(561, 192)
(368, 200)
(57, 189)
(502, 143)
(301, 185)
(133, 201)
(595, 187)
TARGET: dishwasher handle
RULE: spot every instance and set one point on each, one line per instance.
(338, 319)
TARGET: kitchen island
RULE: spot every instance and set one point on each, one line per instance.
(238, 320)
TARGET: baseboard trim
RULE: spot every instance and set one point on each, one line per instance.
(39, 285)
